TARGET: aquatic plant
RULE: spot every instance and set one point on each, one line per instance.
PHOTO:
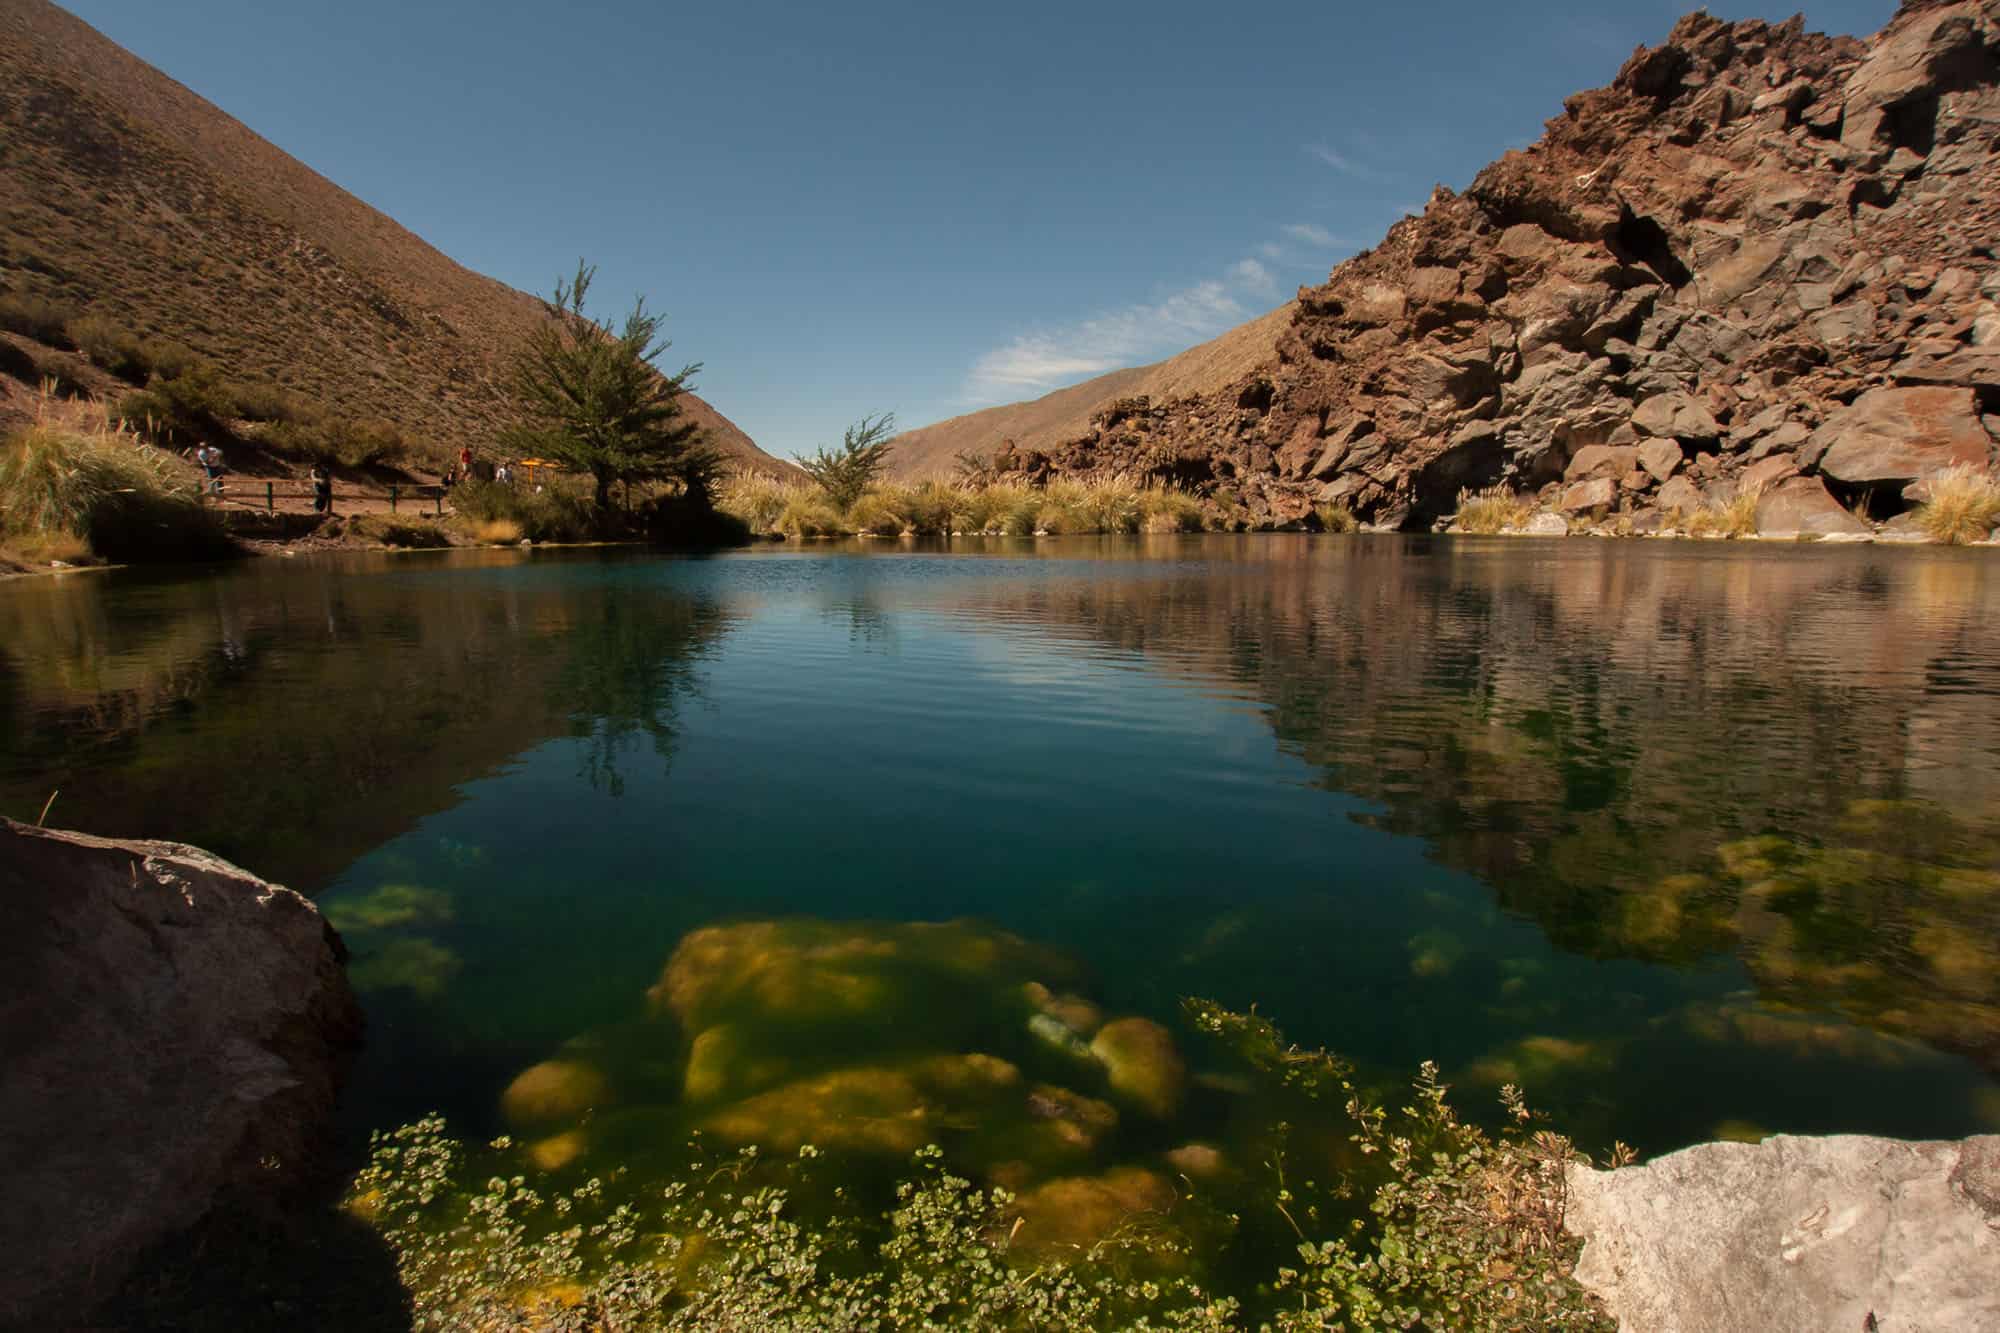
(1962, 505)
(1493, 510)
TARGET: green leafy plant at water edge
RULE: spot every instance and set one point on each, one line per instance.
(493, 511)
(1439, 1226)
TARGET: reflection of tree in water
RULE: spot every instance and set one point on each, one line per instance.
(1608, 743)
(626, 667)
(867, 623)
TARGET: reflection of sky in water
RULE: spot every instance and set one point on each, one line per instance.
(1414, 800)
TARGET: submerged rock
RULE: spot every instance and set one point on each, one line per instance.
(175, 1029)
(1796, 1235)
(1076, 1212)
(553, 1092)
(1142, 1064)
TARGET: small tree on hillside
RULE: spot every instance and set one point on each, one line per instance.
(591, 398)
(846, 472)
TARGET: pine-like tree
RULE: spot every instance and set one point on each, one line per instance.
(846, 472)
(590, 397)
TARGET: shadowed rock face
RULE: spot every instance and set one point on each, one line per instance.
(174, 1032)
(1754, 234)
(1796, 1234)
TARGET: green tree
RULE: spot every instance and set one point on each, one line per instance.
(591, 398)
(846, 472)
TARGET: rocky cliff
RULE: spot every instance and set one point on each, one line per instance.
(171, 1035)
(1760, 258)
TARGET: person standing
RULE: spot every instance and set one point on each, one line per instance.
(322, 484)
(210, 459)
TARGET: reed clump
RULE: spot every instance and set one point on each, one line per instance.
(1734, 517)
(935, 508)
(69, 484)
(1493, 510)
(1963, 506)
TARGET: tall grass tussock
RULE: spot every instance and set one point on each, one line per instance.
(1491, 511)
(1736, 517)
(1963, 506)
(934, 508)
(66, 484)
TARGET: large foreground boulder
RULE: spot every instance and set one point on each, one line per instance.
(172, 1034)
(1805, 1234)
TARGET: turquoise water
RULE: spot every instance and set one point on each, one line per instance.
(1689, 839)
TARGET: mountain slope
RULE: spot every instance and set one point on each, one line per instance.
(932, 451)
(1761, 262)
(124, 194)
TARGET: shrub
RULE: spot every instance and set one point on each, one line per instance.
(552, 515)
(334, 441)
(1963, 505)
(1490, 511)
(268, 402)
(844, 473)
(36, 317)
(112, 347)
(190, 405)
(105, 488)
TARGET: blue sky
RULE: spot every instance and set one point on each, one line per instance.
(919, 208)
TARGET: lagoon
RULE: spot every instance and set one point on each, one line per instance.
(1691, 841)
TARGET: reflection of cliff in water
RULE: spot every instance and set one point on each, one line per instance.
(291, 716)
(1601, 733)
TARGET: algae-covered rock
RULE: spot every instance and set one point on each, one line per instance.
(553, 1092)
(1142, 1064)
(850, 1110)
(1077, 1212)
(1198, 1161)
(872, 1108)
(1058, 1036)
(558, 1150)
(725, 1062)
(1067, 1120)
(825, 974)
(390, 907)
(422, 967)
(1074, 1012)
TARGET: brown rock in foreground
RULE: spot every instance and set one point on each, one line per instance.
(1757, 243)
(1796, 1235)
(173, 1033)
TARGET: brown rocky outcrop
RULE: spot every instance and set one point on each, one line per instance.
(1796, 1234)
(174, 1030)
(1757, 242)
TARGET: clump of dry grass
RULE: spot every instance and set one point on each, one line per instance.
(496, 531)
(1963, 505)
(1493, 510)
(66, 480)
(1336, 518)
(1735, 517)
(935, 508)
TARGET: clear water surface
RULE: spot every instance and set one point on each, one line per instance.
(1690, 839)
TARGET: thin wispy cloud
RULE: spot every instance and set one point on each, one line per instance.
(1345, 163)
(1309, 233)
(1253, 276)
(1041, 361)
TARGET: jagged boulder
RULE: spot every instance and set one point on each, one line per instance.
(175, 1032)
(1796, 1235)
(1899, 435)
(1802, 507)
